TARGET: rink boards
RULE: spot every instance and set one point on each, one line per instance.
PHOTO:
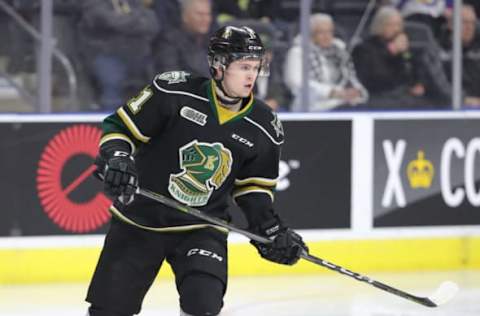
(368, 191)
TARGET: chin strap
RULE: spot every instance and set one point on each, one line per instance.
(218, 83)
(231, 100)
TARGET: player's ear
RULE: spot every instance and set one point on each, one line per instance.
(217, 72)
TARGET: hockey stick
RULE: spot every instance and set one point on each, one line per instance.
(442, 295)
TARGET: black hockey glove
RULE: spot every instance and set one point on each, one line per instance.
(119, 175)
(286, 246)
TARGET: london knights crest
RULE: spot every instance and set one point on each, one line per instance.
(204, 167)
(173, 76)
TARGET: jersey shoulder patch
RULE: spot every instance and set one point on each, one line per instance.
(181, 83)
(263, 118)
(171, 77)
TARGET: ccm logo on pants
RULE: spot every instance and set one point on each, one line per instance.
(203, 252)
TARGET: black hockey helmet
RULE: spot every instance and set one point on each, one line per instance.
(231, 43)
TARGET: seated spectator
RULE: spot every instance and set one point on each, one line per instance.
(185, 48)
(431, 13)
(471, 54)
(116, 40)
(169, 12)
(393, 76)
(332, 79)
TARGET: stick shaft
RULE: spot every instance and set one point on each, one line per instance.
(362, 278)
(324, 263)
(197, 213)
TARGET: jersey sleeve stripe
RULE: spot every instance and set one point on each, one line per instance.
(131, 126)
(264, 131)
(252, 189)
(257, 180)
(113, 136)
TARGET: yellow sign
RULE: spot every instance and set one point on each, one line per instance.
(420, 172)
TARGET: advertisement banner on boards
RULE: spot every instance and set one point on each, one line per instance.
(49, 188)
(314, 190)
(426, 172)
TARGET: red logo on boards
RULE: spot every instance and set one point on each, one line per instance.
(72, 216)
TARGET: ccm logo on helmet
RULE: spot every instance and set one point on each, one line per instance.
(205, 253)
(251, 47)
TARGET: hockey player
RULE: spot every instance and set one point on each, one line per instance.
(201, 141)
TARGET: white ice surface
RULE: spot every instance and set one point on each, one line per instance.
(321, 295)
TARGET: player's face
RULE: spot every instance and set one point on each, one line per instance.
(240, 76)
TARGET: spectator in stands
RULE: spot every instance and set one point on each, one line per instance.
(431, 13)
(471, 54)
(169, 12)
(185, 48)
(332, 78)
(393, 75)
(117, 36)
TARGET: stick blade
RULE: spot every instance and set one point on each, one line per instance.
(444, 293)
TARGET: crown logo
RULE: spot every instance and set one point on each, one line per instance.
(420, 172)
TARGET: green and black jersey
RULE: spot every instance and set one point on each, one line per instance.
(190, 148)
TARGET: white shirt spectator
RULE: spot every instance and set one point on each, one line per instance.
(332, 80)
(331, 72)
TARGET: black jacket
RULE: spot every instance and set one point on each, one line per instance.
(381, 71)
(182, 50)
(104, 29)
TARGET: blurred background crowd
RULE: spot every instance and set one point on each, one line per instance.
(362, 54)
